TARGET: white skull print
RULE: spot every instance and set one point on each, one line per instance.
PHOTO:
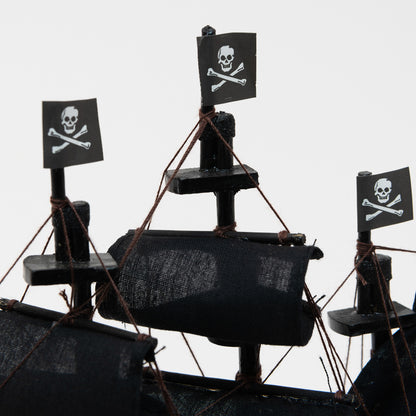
(69, 119)
(382, 190)
(226, 58)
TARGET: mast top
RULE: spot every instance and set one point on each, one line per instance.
(208, 30)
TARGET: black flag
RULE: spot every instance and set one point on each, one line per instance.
(227, 67)
(384, 199)
(71, 133)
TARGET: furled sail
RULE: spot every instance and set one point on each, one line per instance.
(232, 289)
(90, 369)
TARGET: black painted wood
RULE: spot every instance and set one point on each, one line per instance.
(193, 180)
(78, 241)
(350, 323)
(46, 270)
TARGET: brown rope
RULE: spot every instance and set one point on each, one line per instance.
(230, 149)
(27, 356)
(201, 115)
(336, 373)
(61, 204)
(347, 360)
(282, 236)
(397, 319)
(168, 401)
(221, 231)
(101, 297)
(139, 231)
(356, 392)
(170, 406)
(338, 395)
(394, 249)
(328, 356)
(111, 280)
(248, 378)
(143, 337)
(43, 252)
(359, 258)
(335, 355)
(277, 365)
(62, 293)
(367, 250)
(326, 374)
(47, 242)
(26, 248)
(64, 319)
(238, 387)
(58, 204)
(381, 281)
(24, 293)
(322, 331)
(10, 304)
(393, 346)
(192, 353)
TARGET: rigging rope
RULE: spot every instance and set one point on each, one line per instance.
(192, 353)
(393, 346)
(204, 120)
(381, 281)
(57, 205)
(277, 365)
(238, 387)
(139, 231)
(26, 247)
(230, 149)
(368, 250)
(72, 314)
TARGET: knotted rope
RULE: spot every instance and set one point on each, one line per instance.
(221, 231)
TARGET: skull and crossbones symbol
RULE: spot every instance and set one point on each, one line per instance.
(382, 191)
(69, 120)
(226, 57)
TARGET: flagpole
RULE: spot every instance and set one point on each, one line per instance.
(368, 302)
(71, 231)
(58, 194)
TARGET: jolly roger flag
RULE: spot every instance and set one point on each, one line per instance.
(227, 67)
(384, 199)
(71, 133)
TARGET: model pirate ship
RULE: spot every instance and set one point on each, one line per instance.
(239, 289)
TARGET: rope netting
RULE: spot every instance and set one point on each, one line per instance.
(334, 360)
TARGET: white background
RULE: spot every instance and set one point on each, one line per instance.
(336, 95)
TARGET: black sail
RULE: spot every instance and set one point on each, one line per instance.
(91, 369)
(232, 289)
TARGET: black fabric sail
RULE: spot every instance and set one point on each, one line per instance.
(232, 289)
(76, 370)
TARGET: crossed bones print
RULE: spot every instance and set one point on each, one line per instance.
(382, 190)
(69, 119)
(225, 59)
